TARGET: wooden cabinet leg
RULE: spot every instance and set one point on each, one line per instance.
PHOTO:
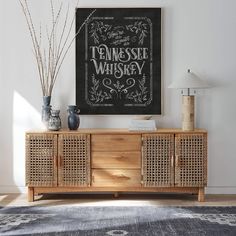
(30, 194)
(116, 194)
(201, 195)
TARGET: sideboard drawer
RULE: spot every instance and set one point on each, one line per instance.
(116, 178)
(130, 160)
(116, 142)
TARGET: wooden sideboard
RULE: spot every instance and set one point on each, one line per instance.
(116, 160)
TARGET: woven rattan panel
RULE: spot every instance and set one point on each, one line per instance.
(41, 157)
(191, 160)
(74, 160)
(157, 169)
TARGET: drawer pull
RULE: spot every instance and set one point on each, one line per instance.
(172, 161)
(117, 139)
(177, 161)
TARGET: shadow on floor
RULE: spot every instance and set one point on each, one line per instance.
(7, 199)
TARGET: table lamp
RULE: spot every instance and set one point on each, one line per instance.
(188, 83)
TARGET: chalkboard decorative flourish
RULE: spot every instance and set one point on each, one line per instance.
(100, 31)
(116, 90)
(96, 95)
(98, 27)
(138, 28)
(141, 95)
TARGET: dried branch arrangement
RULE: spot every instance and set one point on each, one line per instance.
(51, 53)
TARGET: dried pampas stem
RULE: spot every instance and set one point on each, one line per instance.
(50, 58)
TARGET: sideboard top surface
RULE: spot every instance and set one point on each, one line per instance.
(115, 131)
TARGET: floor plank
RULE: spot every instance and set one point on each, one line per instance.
(123, 200)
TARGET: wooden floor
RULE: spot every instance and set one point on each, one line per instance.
(122, 200)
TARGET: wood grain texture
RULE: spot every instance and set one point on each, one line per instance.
(201, 195)
(188, 113)
(115, 131)
(126, 199)
(130, 160)
(111, 143)
(116, 160)
(115, 189)
(30, 194)
(116, 178)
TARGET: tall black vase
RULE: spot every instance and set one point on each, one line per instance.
(46, 110)
(73, 117)
(46, 100)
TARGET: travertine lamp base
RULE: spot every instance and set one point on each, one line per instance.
(188, 113)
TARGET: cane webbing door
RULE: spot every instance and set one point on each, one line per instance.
(191, 160)
(74, 160)
(157, 160)
(41, 160)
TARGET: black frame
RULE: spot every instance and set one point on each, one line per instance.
(118, 61)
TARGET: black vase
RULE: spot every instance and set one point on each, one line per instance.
(46, 100)
(73, 117)
(46, 110)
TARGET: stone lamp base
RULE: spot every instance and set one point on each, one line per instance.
(188, 113)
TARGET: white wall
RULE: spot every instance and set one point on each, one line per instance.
(197, 34)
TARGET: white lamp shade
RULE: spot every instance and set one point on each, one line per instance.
(190, 80)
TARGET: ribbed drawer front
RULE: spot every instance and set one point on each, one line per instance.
(130, 160)
(118, 142)
(116, 178)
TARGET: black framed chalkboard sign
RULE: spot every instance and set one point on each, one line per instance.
(118, 60)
